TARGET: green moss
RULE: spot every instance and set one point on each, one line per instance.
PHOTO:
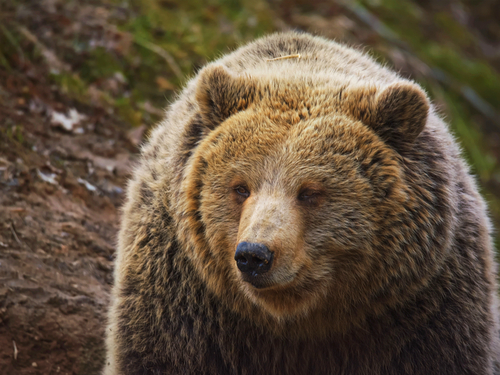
(473, 73)
(9, 46)
(126, 111)
(4, 62)
(456, 34)
(13, 134)
(100, 64)
(71, 84)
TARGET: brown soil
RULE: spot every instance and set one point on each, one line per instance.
(59, 197)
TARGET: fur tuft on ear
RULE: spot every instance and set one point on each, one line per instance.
(401, 112)
(221, 94)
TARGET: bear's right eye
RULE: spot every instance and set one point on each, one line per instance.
(242, 191)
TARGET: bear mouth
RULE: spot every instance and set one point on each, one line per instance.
(257, 281)
(269, 280)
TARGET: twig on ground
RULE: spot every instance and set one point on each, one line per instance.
(13, 41)
(15, 234)
(15, 350)
(50, 57)
(161, 52)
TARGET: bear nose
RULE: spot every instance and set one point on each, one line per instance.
(253, 258)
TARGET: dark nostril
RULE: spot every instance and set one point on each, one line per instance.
(253, 258)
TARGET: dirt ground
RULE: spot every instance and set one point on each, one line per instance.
(59, 206)
(69, 137)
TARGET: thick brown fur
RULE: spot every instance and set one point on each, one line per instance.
(383, 261)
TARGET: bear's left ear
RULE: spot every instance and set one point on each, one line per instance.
(220, 94)
(402, 111)
(398, 113)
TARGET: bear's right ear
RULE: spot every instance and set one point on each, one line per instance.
(221, 94)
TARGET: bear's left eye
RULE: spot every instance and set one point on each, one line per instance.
(309, 196)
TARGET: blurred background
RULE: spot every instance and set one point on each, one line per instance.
(82, 83)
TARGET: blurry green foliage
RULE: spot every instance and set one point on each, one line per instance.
(190, 33)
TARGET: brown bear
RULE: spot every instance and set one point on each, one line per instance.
(303, 210)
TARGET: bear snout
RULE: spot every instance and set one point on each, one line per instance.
(253, 259)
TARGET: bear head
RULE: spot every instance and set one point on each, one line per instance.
(295, 197)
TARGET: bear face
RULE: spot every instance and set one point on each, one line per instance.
(277, 195)
(307, 187)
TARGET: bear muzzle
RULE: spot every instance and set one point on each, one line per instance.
(253, 260)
